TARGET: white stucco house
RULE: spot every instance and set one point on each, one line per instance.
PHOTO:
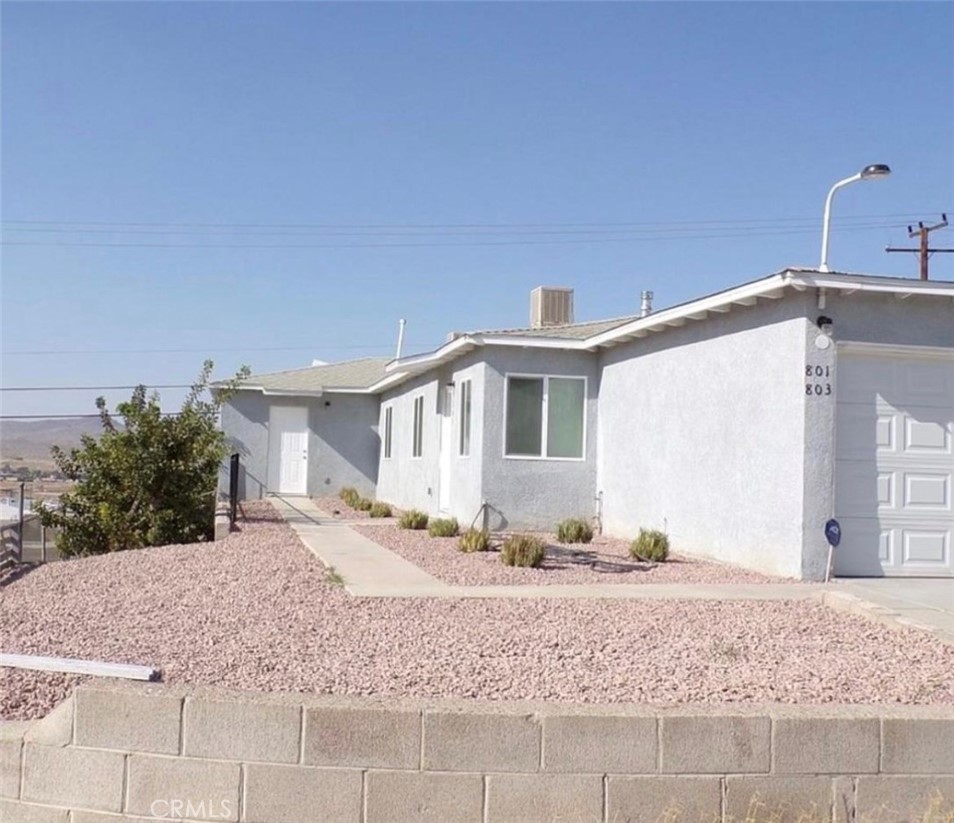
(739, 422)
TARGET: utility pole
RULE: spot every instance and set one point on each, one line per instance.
(923, 250)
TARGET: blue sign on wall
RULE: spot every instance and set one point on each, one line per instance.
(833, 532)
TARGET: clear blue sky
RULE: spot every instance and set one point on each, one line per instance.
(280, 114)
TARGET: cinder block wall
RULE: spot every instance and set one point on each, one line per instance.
(147, 752)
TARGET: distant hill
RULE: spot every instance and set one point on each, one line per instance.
(31, 440)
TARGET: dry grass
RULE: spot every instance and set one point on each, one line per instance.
(938, 810)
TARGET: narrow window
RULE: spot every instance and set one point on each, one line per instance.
(465, 418)
(565, 417)
(418, 448)
(388, 416)
(525, 416)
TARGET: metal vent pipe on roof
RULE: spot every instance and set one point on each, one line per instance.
(400, 343)
(646, 303)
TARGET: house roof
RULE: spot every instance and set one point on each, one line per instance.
(622, 330)
(350, 375)
(570, 331)
(375, 374)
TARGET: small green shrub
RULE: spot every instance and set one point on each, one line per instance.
(363, 504)
(379, 509)
(413, 519)
(474, 540)
(443, 527)
(350, 495)
(523, 550)
(650, 544)
(574, 530)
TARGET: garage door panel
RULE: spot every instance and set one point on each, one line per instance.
(930, 549)
(927, 492)
(861, 432)
(866, 549)
(861, 488)
(894, 464)
(929, 383)
(926, 435)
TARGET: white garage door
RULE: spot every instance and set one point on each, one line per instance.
(894, 466)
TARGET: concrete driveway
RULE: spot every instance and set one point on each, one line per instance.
(923, 599)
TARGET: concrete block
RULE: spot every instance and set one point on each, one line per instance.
(129, 721)
(720, 744)
(542, 798)
(10, 768)
(475, 742)
(424, 797)
(56, 729)
(366, 738)
(241, 730)
(917, 746)
(826, 745)
(904, 799)
(779, 799)
(100, 817)
(651, 799)
(600, 745)
(73, 777)
(843, 802)
(13, 812)
(170, 787)
(280, 794)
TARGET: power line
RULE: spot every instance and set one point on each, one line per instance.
(94, 388)
(429, 244)
(415, 233)
(213, 350)
(413, 226)
(68, 416)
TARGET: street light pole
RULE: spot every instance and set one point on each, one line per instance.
(872, 172)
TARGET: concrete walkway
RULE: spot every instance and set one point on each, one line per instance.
(370, 570)
(921, 600)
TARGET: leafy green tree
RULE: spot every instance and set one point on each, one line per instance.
(148, 481)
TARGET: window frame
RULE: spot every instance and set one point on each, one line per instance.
(417, 428)
(545, 416)
(388, 438)
(465, 414)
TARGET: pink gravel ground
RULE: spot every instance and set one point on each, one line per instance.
(605, 560)
(337, 508)
(256, 611)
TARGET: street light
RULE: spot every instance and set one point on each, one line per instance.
(873, 172)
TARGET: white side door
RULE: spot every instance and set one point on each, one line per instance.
(447, 449)
(288, 449)
(894, 463)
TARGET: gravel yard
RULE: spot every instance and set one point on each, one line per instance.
(338, 509)
(255, 612)
(604, 560)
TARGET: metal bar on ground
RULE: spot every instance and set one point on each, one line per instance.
(66, 665)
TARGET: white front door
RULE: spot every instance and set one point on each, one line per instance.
(447, 449)
(894, 463)
(288, 449)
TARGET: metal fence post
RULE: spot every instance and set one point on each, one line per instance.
(233, 488)
(20, 526)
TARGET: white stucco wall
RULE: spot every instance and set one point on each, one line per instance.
(342, 441)
(702, 434)
(403, 480)
(536, 493)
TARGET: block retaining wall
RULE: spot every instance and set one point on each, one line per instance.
(141, 752)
